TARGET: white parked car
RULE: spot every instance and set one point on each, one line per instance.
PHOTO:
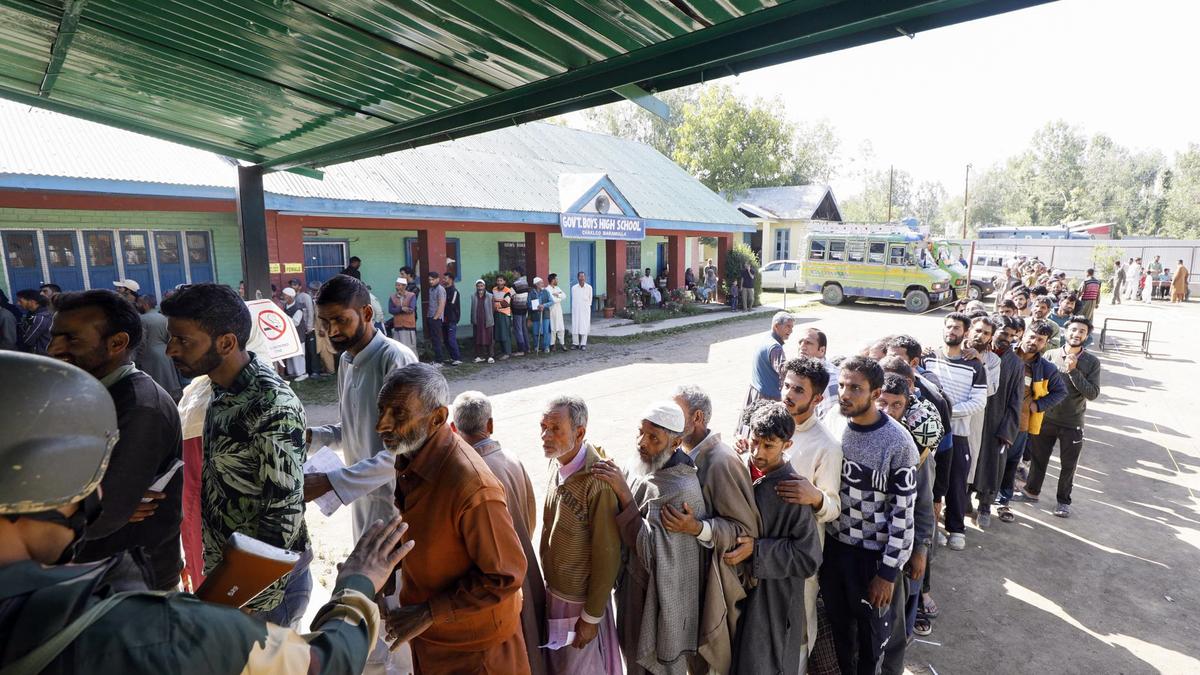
(780, 274)
(990, 264)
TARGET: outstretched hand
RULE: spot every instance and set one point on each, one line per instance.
(378, 552)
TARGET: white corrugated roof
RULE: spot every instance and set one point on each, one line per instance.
(514, 169)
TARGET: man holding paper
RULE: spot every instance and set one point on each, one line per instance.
(99, 331)
(367, 356)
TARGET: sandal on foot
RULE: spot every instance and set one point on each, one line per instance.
(930, 607)
(923, 627)
(1005, 514)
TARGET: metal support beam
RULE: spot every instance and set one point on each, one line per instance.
(72, 10)
(252, 228)
(645, 99)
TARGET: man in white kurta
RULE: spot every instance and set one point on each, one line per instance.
(581, 311)
(557, 328)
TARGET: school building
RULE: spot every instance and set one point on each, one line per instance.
(82, 205)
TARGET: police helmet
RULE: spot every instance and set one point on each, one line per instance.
(57, 428)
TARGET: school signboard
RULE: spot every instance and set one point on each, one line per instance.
(273, 336)
(601, 226)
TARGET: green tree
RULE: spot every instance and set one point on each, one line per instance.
(871, 205)
(1182, 214)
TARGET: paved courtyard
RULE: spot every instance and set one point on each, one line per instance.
(1115, 589)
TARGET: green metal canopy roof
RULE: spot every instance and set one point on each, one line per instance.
(295, 83)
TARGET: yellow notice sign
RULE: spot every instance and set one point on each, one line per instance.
(293, 268)
(273, 268)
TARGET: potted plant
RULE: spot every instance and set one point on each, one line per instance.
(609, 309)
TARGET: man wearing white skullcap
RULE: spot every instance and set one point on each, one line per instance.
(658, 595)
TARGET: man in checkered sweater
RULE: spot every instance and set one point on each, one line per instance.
(873, 536)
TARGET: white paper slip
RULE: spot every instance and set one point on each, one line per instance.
(161, 481)
(324, 461)
(562, 634)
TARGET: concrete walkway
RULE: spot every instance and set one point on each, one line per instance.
(619, 328)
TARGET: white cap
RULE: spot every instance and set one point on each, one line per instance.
(666, 414)
(537, 280)
(402, 281)
(129, 284)
(290, 292)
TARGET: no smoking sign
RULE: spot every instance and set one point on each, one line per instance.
(273, 336)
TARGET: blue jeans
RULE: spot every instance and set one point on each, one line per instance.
(295, 598)
(520, 335)
(450, 334)
(1011, 462)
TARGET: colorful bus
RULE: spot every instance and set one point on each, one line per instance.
(877, 262)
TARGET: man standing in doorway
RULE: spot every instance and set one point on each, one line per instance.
(452, 314)
(1080, 371)
(253, 421)
(769, 358)
(965, 384)
(435, 315)
(581, 311)
(352, 270)
(310, 335)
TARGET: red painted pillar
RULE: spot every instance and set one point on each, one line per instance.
(431, 256)
(287, 247)
(724, 243)
(537, 255)
(676, 257)
(614, 258)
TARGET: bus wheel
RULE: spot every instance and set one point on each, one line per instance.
(974, 292)
(916, 301)
(832, 294)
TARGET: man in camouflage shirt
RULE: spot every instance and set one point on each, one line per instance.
(253, 479)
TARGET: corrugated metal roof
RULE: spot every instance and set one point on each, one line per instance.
(790, 202)
(512, 169)
(319, 82)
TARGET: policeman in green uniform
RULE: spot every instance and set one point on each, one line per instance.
(59, 427)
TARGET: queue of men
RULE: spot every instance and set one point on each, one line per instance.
(804, 545)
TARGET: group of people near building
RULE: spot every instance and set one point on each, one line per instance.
(1146, 282)
(801, 541)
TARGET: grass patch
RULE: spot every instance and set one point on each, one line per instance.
(317, 391)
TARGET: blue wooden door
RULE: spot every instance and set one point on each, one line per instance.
(583, 259)
(135, 251)
(102, 258)
(168, 253)
(62, 257)
(661, 269)
(323, 260)
(199, 252)
(23, 260)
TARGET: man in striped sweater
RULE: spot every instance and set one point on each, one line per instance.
(872, 538)
(964, 381)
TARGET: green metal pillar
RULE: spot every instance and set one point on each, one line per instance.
(252, 228)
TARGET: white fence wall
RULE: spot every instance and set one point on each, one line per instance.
(1074, 256)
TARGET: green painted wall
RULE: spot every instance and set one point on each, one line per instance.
(221, 226)
(383, 253)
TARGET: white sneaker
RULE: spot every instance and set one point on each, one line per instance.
(491, 360)
(957, 541)
(301, 378)
(478, 359)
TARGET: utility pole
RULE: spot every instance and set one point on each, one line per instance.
(966, 185)
(891, 180)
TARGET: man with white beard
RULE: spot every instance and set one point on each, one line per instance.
(658, 595)
(581, 548)
(460, 602)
